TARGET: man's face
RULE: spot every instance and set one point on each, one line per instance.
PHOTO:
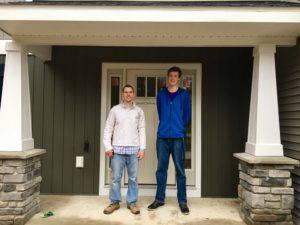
(173, 78)
(128, 95)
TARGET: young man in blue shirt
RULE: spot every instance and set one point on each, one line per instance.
(174, 111)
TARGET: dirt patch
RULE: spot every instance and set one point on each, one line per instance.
(74, 221)
(77, 221)
(213, 222)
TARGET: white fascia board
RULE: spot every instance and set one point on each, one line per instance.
(147, 14)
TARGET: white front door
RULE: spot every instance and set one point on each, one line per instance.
(148, 79)
(146, 83)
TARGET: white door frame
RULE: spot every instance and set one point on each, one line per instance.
(147, 191)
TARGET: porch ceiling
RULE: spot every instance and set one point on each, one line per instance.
(149, 26)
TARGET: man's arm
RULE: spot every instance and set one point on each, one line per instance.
(141, 154)
(187, 109)
(158, 104)
(108, 130)
(142, 130)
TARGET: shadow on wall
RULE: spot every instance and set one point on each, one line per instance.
(1, 79)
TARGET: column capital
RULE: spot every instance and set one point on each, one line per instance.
(13, 46)
(264, 48)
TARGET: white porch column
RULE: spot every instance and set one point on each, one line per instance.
(15, 112)
(263, 130)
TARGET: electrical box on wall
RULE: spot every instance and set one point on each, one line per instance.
(79, 162)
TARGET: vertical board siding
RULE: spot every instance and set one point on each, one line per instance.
(2, 62)
(89, 129)
(31, 60)
(61, 94)
(78, 76)
(71, 112)
(96, 68)
(38, 101)
(80, 95)
(58, 125)
(48, 129)
(211, 165)
(69, 126)
(226, 98)
(288, 78)
(2, 58)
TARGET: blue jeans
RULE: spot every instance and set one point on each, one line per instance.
(118, 162)
(175, 147)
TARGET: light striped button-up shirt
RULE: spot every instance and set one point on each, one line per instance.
(125, 127)
(129, 150)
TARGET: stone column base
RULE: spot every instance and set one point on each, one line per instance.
(265, 189)
(20, 177)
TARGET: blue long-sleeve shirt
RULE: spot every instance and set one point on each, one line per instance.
(173, 114)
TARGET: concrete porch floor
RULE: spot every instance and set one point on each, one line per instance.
(87, 210)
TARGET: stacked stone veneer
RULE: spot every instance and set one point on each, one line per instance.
(19, 189)
(266, 193)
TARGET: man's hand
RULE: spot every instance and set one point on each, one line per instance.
(109, 153)
(141, 154)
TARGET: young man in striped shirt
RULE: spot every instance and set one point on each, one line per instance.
(125, 142)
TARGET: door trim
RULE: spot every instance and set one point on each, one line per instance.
(148, 191)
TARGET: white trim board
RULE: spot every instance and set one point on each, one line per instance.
(150, 25)
(148, 191)
(148, 14)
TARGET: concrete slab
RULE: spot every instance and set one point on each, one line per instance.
(88, 210)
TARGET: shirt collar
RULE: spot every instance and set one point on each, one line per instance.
(133, 105)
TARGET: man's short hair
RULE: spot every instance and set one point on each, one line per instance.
(174, 69)
(127, 86)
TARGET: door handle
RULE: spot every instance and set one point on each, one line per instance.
(86, 146)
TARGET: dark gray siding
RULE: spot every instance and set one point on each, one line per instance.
(226, 100)
(288, 75)
(66, 111)
(2, 61)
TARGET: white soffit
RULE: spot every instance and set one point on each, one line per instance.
(150, 26)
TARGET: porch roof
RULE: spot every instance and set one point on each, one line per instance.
(107, 25)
